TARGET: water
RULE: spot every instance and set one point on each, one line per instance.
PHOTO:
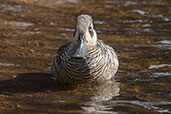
(31, 31)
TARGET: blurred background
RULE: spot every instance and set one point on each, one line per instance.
(31, 31)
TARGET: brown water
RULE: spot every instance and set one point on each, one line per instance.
(31, 31)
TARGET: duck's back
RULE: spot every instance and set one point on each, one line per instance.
(101, 64)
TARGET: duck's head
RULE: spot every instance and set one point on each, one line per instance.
(84, 35)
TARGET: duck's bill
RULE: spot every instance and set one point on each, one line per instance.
(81, 49)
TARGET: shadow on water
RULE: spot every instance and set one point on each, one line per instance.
(32, 82)
(86, 98)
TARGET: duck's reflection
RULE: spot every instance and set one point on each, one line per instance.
(99, 94)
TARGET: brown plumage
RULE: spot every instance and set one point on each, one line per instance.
(85, 58)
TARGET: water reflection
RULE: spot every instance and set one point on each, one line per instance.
(5, 7)
(160, 74)
(145, 13)
(101, 93)
(156, 106)
(163, 44)
(159, 66)
(64, 1)
(18, 25)
(8, 7)
(138, 3)
(10, 65)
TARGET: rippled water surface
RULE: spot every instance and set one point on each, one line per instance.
(31, 31)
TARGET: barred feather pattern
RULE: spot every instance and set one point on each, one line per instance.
(101, 64)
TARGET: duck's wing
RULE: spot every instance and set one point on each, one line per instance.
(63, 47)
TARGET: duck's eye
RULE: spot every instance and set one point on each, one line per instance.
(91, 31)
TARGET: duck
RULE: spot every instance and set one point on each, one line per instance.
(84, 58)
